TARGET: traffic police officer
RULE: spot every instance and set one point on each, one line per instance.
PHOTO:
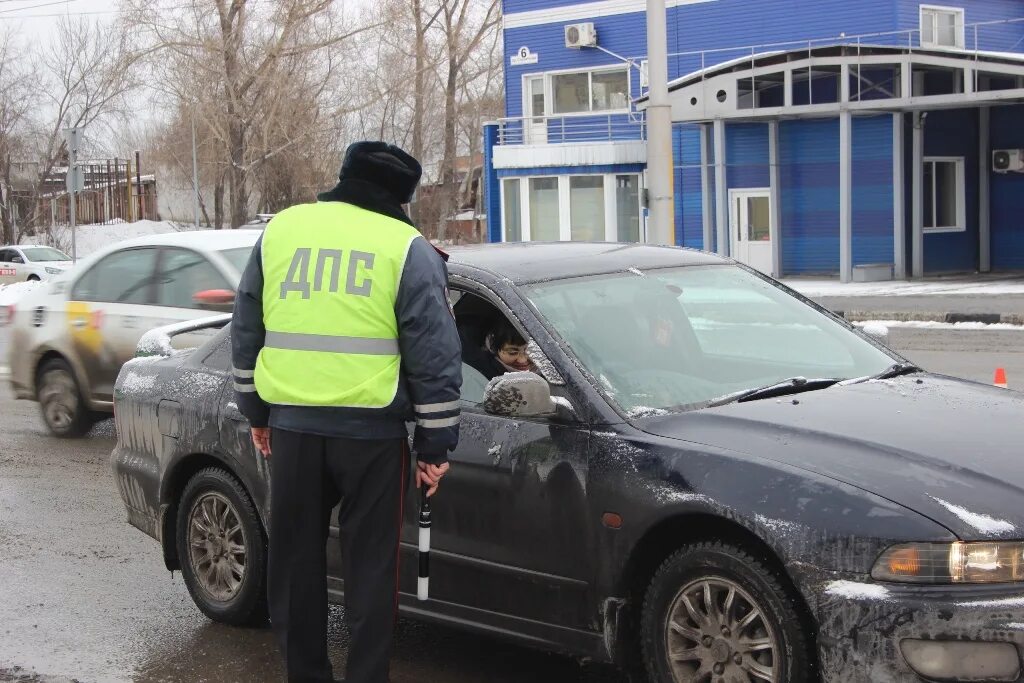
(342, 332)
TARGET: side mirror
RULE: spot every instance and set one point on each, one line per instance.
(878, 332)
(215, 299)
(518, 394)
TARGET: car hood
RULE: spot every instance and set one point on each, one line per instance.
(949, 449)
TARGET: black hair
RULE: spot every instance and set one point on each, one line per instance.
(504, 333)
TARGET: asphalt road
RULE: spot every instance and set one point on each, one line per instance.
(85, 597)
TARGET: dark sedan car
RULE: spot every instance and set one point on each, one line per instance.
(710, 477)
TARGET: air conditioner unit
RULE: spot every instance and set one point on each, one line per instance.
(580, 35)
(1008, 160)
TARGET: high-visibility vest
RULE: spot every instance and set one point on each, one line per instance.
(331, 273)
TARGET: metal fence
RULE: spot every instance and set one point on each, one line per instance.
(546, 130)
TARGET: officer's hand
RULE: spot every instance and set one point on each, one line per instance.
(430, 475)
(261, 439)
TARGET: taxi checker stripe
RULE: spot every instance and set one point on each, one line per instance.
(428, 408)
(439, 423)
(295, 341)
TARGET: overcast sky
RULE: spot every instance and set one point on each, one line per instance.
(36, 19)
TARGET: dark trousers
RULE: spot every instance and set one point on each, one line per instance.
(309, 474)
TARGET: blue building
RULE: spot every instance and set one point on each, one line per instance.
(876, 138)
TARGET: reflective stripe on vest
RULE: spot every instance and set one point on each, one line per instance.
(331, 273)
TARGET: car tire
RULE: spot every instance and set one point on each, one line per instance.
(33, 278)
(761, 629)
(61, 400)
(222, 549)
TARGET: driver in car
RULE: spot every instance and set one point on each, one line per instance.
(504, 351)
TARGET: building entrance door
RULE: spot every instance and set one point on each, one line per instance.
(750, 228)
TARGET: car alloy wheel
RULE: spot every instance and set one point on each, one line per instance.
(217, 546)
(58, 397)
(716, 630)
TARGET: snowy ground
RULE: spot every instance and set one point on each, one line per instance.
(950, 286)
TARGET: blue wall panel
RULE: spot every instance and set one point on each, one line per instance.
(492, 193)
(746, 155)
(954, 132)
(689, 213)
(872, 190)
(809, 188)
(1007, 192)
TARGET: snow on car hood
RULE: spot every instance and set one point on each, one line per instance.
(949, 449)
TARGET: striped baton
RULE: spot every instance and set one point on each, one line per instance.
(423, 583)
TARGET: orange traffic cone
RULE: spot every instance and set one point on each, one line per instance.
(1000, 380)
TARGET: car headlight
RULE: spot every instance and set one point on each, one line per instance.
(53, 271)
(937, 563)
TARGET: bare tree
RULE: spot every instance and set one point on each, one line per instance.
(265, 70)
(17, 97)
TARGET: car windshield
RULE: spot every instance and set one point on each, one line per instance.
(237, 257)
(680, 338)
(44, 254)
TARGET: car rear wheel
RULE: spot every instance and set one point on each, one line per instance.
(713, 612)
(61, 401)
(221, 548)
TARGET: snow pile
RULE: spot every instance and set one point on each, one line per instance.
(978, 521)
(91, 238)
(857, 591)
(940, 287)
(936, 325)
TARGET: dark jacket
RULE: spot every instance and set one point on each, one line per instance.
(431, 376)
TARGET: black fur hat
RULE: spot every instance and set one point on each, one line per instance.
(384, 165)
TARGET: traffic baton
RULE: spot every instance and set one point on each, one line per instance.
(423, 583)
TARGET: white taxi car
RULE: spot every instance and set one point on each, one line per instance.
(70, 336)
(28, 262)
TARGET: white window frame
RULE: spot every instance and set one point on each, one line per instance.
(549, 91)
(959, 24)
(611, 218)
(961, 196)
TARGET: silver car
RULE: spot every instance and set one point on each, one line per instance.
(70, 336)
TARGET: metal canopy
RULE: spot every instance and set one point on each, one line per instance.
(823, 81)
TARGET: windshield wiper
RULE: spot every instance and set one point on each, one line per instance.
(793, 385)
(894, 370)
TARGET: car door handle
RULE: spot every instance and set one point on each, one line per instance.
(79, 323)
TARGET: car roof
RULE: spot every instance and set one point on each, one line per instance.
(205, 240)
(525, 262)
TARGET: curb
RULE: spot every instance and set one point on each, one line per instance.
(908, 316)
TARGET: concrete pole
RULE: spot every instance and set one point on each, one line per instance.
(917, 200)
(660, 228)
(845, 196)
(899, 235)
(706, 208)
(722, 246)
(195, 174)
(775, 194)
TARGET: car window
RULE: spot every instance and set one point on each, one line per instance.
(122, 277)
(5, 255)
(237, 257)
(183, 273)
(473, 385)
(44, 254)
(216, 353)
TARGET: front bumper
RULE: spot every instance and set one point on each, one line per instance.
(861, 625)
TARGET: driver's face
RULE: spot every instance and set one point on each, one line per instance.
(514, 356)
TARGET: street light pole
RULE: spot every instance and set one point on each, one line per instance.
(74, 140)
(660, 228)
(195, 173)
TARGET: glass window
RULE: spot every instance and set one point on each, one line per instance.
(586, 208)
(513, 210)
(609, 90)
(676, 338)
(5, 255)
(183, 273)
(45, 254)
(942, 26)
(758, 219)
(544, 215)
(627, 206)
(572, 92)
(537, 97)
(238, 257)
(122, 277)
(473, 385)
(943, 195)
